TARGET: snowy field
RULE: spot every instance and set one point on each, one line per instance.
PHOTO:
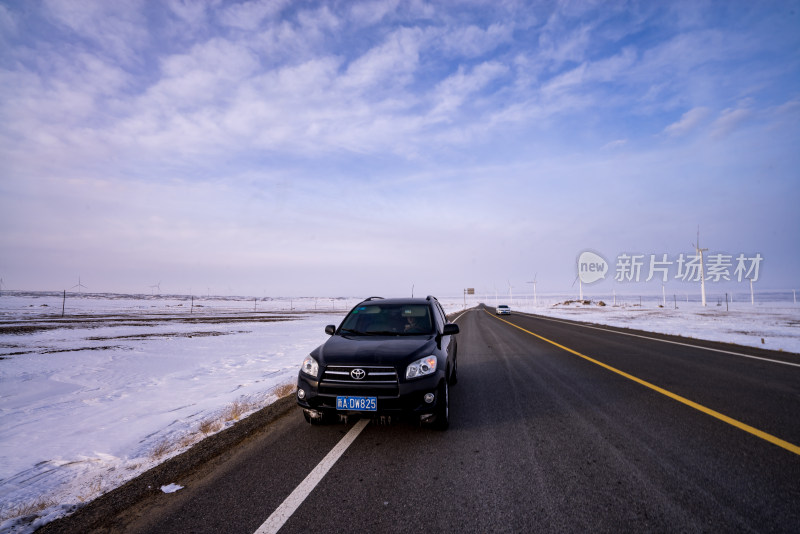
(120, 383)
(773, 322)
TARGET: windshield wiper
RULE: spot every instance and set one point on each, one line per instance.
(352, 332)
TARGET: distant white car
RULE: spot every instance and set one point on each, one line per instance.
(502, 309)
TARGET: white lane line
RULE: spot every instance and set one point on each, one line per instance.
(461, 314)
(282, 514)
(661, 340)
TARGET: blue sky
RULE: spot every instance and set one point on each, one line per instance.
(357, 148)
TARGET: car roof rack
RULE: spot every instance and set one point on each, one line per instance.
(372, 298)
(429, 297)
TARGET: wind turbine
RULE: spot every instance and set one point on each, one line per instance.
(156, 286)
(79, 285)
(510, 294)
(580, 285)
(534, 288)
(702, 270)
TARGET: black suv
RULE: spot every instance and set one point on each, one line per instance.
(389, 357)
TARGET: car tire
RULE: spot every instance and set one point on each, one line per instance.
(454, 374)
(442, 420)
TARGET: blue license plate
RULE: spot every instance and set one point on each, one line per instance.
(365, 404)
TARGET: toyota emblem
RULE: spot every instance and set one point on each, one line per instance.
(358, 374)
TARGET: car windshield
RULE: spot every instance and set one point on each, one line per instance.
(388, 319)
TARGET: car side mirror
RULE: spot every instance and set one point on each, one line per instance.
(330, 329)
(450, 329)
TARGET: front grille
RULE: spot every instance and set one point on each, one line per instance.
(377, 382)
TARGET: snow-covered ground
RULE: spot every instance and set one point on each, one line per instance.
(124, 382)
(93, 399)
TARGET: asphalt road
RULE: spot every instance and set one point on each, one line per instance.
(541, 439)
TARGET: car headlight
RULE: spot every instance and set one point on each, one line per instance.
(423, 366)
(310, 366)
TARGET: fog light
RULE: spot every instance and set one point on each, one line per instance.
(429, 397)
(301, 394)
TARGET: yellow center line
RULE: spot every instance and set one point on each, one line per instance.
(722, 417)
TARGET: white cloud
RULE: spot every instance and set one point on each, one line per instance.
(565, 82)
(193, 12)
(250, 15)
(118, 28)
(8, 23)
(613, 145)
(369, 13)
(613, 68)
(683, 60)
(220, 58)
(729, 120)
(563, 46)
(472, 41)
(453, 91)
(390, 64)
(688, 122)
(318, 21)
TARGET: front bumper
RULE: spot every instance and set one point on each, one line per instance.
(402, 399)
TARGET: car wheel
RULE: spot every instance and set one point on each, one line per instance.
(443, 408)
(454, 374)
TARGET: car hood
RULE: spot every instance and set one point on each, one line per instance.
(365, 350)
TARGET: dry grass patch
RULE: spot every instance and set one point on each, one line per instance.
(94, 489)
(232, 413)
(209, 426)
(29, 508)
(284, 390)
(162, 448)
(188, 440)
(238, 409)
